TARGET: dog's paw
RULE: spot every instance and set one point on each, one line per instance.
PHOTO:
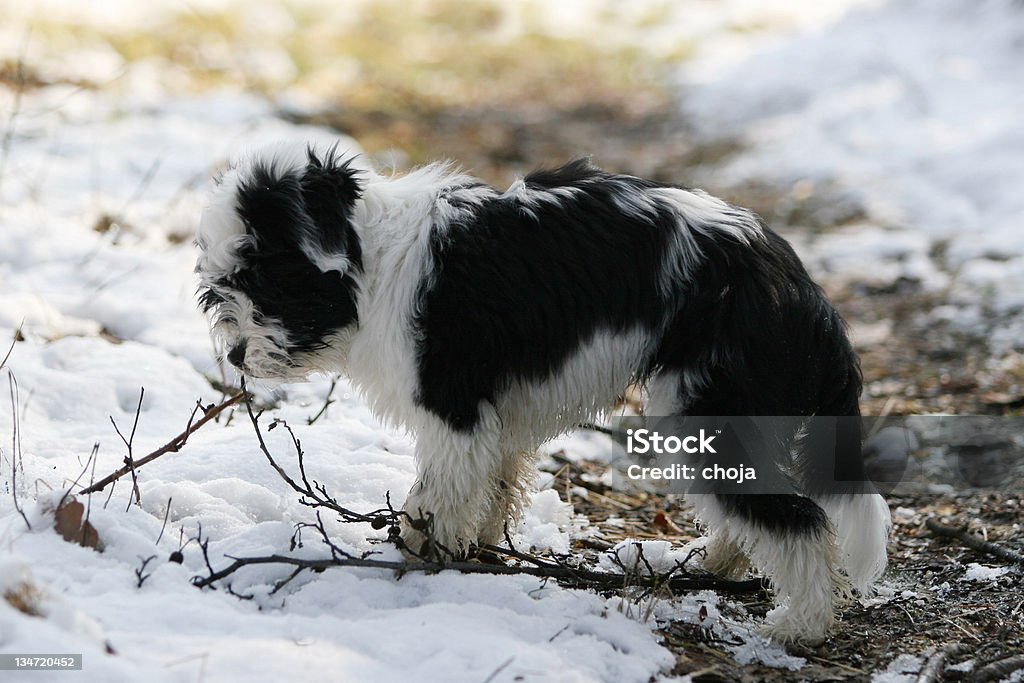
(787, 625)
(422, 540)
(722, 557)
(414, 541)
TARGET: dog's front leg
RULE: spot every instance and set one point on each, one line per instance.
(451, 497)
(510, 488)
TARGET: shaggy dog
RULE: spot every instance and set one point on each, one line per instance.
(487, 322)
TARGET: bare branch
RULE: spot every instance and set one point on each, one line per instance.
(973, 542)
(172, 446)
(436, 557)
(574, 577)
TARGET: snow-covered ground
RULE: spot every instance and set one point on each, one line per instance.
(914, 106)
(65, 283)
(914, 110)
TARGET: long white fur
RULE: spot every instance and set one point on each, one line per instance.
(862, 523)
(803, 570)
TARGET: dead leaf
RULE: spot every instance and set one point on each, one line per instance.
(663, 522)
(69, 524)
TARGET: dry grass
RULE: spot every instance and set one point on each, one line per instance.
(479, 81)
(382, 54)
(25, 598)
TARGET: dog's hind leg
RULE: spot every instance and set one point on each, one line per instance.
(670, 392)
(785, 535)
(789, 539)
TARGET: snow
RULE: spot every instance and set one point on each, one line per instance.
(910, 109)
(913, 108)
(63, 282)
(979, 572)
(746, 644)
(361, 625)
(902, 669)
(357, 625)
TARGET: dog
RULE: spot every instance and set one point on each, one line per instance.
(487, 322)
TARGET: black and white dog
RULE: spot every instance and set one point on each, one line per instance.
(487, 322)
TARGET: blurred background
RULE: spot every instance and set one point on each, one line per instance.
(883, 138)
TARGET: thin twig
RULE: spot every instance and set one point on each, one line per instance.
(327, 401)
(10, 349)
(88, 498)
(973, 542)
(88, 462)
(172, 446)
(285, 581)
(167, 513)
(313, 494)
(502, 667)
(15, 445)
(558, 633)
(140, 573)
(129, 459)
(110, 494)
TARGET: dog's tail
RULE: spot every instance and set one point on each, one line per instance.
(830, 466)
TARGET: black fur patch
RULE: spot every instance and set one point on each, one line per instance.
(281, 210)
(330, 189)
(517, 289)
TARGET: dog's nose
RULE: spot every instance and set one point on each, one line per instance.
(236, 356)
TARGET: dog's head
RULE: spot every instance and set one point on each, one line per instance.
(279, 260)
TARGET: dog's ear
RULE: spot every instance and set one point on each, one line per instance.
(330, 189)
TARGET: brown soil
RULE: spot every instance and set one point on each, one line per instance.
(933, 606)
